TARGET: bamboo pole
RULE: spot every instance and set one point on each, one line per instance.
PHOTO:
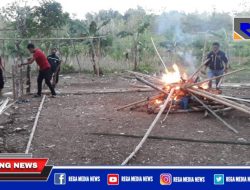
(157, 52)
(197, 71)
(147, 76)
(35, 125)
(7, 107)
(151, 127)
(207, 80)
(224, 100)
(214, 114)
(234, 98)
(151, 85)
(138, 102)
(219, 100)
(3, 105)
(42, 39)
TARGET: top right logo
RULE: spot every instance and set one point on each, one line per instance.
(241, 29)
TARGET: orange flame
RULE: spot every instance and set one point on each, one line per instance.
(172, 77)
(205, 86)
(158, 101)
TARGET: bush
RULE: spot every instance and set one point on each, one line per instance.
(146, 68)
(66, 68)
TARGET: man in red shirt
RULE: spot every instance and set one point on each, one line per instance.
(44, 69)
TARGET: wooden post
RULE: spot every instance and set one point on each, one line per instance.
(13, 82)
(28, 81)
(20, 91)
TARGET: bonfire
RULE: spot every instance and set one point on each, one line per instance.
(181, 93)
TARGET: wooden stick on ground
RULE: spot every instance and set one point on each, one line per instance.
(4, 105)
(7, 107)
(35, 125)
(151, 127)
(174, 139)
(214, 114)
(106, 91)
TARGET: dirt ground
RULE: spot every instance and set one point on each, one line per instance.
(65, 122)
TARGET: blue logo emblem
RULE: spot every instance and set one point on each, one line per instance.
(218, 179)
(60, 179)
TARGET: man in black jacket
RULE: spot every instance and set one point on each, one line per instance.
(55, 63)
(217, 63)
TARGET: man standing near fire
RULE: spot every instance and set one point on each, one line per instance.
(44, 69)
(1, 75)
(217, 63)
(55, 63)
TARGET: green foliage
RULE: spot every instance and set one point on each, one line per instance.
(67, 68)
(146, 68)
(123, 38)
(48, 16)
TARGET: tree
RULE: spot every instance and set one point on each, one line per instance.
(136, 22)
(49, 16)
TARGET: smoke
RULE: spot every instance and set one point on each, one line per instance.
(170, 25)
(189, 61)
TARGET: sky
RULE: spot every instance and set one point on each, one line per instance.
(81, 7)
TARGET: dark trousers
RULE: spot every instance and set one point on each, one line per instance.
(46, 75)
(1, 80)
(56, 76)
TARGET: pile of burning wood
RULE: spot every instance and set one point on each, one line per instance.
(181, 93)
(178, 92)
